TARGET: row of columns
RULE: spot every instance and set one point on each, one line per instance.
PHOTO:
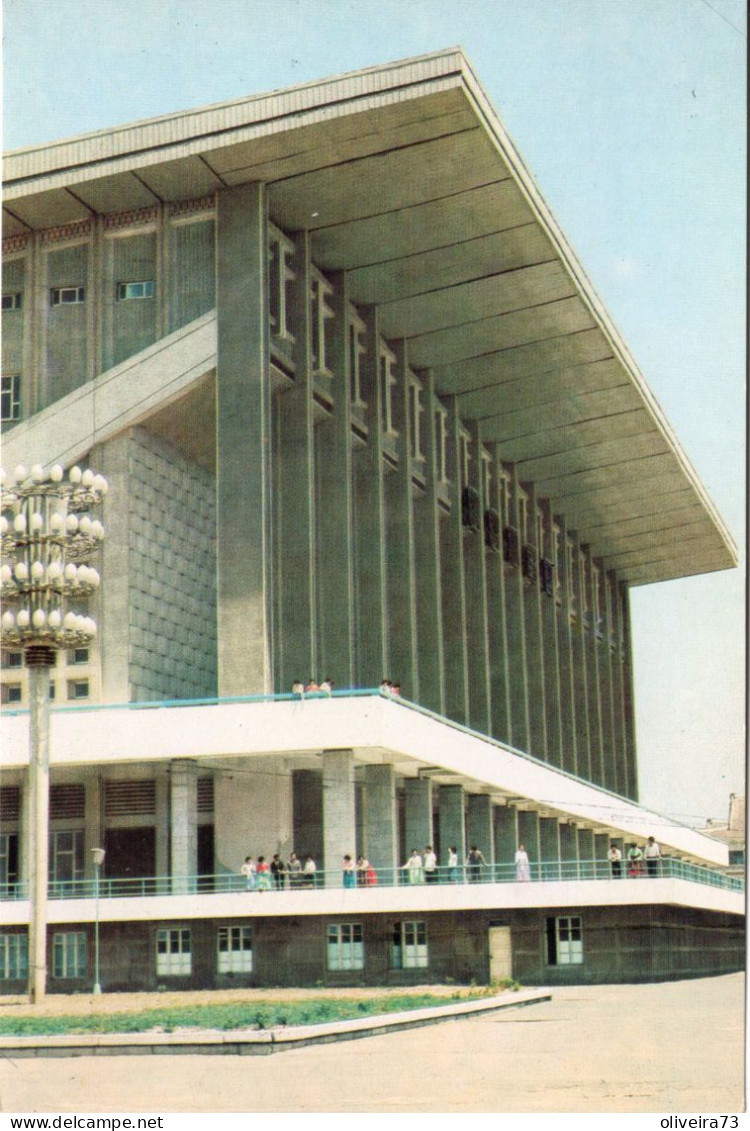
(350, 558)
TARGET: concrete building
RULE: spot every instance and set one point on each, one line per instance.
(362, 417)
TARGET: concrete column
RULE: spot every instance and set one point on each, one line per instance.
(516, 632)
(479, 829)
(628, 708)
(243, 413)
(25, 847)
(550, 611)
(601, 848)
(528, 835)
(586, 852)
(549, 848)
(579, 663)
(454, 588)
(593, 677)
(162, 820)
(610, 734)
(501, 722)
(94, 823)
(418, 828)
(475, 581)
(339, 824)
(370, 537)
(334, 514)
(183, 793)
(295, 504)
(307, 810)
(569, 850)
(427, 555)
(506, 840)
(568, 703)
(400, 560)
(380, 819)
(535, 667)
(452, 821)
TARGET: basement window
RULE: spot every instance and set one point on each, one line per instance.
(174, 952)
(235, 954)
(14, 951)
(13, 302)
(69, 954)
(409, 945)
(564, 940)
(345, 946)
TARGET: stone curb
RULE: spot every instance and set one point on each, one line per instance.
(254, 1042)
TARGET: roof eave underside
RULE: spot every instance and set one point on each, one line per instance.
(408, 182)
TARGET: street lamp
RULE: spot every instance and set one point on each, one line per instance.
(97, 855)
(48, 536)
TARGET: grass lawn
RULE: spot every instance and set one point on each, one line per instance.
(228, 1016)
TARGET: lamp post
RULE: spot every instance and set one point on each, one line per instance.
(48, 536)
(97, 855)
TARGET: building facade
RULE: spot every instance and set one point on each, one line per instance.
(363, 418)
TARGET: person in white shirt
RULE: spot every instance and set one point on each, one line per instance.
(430, 865)
(523, 868)
(248, 871)
(652, 852)
(453, 864)
(615, 861)
(414, 867)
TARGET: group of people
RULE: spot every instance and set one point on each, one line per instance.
(636, 857)
(361, 874)
(267, 875)
(312, 687)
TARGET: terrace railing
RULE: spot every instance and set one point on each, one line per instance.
(595, 871)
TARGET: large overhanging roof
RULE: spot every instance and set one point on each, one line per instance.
(407, 180)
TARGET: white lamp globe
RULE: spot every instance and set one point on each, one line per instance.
(56, 473)
(22, 571)
(3, 525)
(84, 524)
(55, 618)
(71, 523)
(23, 618)
(75, 474)
(71, 572)
(37, 571)
(8, 620)
(38, 618)
(19, 473)
(37, 473)
(37, 522)
(97, 529)
(69, 621)
(87, 479)
(19, 524)
(100, 484)
(6, 574)
(54, 571)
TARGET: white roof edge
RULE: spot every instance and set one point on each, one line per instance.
(588, 293)
(221, 117)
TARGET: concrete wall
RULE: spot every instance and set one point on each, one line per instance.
(642, 945)
(171, 573)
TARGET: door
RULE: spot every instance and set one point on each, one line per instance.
(501, 955)
(130, 855)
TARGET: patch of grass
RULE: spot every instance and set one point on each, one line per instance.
(224, 1017)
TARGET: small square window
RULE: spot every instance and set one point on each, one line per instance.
(12, 659)
(142, 289)
(12, 693)
(13, 302)
(78, 656)
(78, 689)
(67, 296)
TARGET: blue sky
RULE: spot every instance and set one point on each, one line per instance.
(630, 114)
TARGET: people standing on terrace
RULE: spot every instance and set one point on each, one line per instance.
(523, 868)
(615, 861)
(294, 869)
(308, 872)
(263, 874)
(248, 871)
(635, 861)
(430, 865)
(453, 864)
(350, 874)
(298, 689)
(474, 862)
(278, 871)
(653, 854)
(414, 867)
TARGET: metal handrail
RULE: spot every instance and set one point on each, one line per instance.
(539, 871)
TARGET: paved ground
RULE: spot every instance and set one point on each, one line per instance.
(672, 1048)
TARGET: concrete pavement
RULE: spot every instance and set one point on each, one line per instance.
(674, 1047)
